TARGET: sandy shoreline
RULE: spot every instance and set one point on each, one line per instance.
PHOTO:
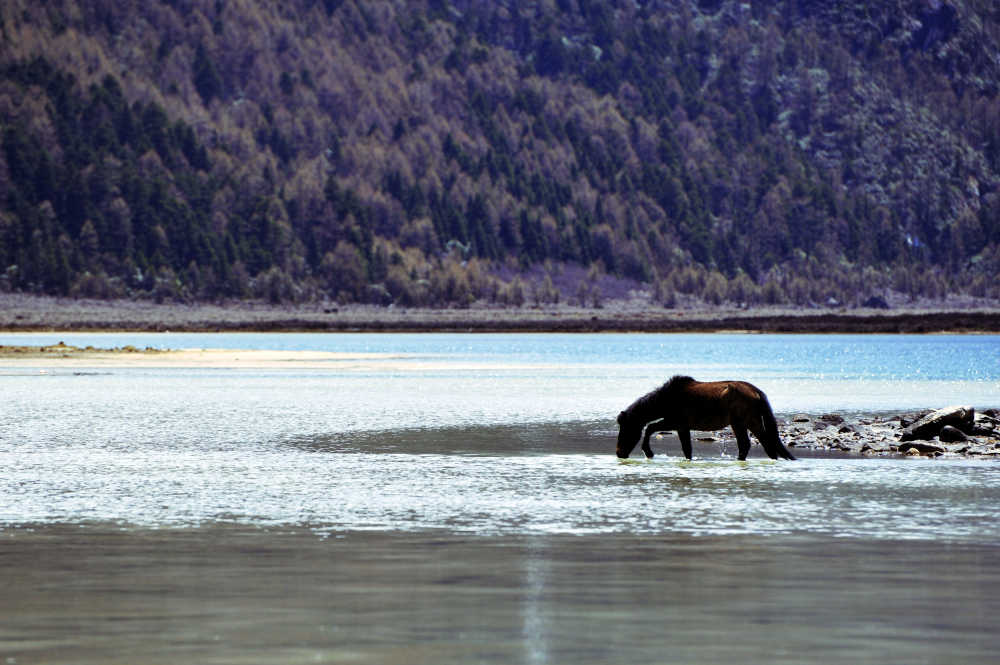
(20, 312)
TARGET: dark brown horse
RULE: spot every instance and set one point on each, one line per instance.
(683, 404)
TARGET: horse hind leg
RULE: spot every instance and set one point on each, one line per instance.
(742, 440)
(685, 436)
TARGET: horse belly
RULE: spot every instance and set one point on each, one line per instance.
(707, 423)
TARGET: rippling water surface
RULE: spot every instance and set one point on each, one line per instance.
(457, 499)
(488, 434)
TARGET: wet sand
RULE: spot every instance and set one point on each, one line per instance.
(232, 594)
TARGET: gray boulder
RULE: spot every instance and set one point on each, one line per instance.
(922, 448)
(951, 434)
(983, 425)
(928, 427)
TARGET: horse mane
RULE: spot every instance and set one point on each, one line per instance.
(676, 382)
(653, 397)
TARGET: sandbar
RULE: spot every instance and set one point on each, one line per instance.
(66, 356)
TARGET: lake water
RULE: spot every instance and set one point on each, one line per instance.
(449, 456)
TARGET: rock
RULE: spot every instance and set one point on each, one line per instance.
(881, 436)
(910, 418)
(930, 425)
(802, 438)
(951, 434)
(984, 425)
(922, 448)
(986, 419)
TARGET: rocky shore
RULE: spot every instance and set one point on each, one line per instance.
(955, 431)
(62, 350)
(21, 312)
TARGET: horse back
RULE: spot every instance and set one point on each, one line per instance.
(717, 404)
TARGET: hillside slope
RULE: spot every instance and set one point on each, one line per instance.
(443, 152)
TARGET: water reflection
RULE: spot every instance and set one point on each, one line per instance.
(238, 594)
(536, 565)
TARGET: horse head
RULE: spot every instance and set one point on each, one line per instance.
(628, 434)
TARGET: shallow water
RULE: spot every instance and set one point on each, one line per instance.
(503, 480)
(462, 502)
(373, 445)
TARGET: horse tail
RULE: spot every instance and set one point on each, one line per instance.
(774, 444)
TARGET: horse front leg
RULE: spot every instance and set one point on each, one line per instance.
(685, 436)
(652, 428)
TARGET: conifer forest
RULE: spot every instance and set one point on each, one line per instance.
(447, 152)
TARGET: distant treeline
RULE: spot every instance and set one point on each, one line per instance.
(445, 152)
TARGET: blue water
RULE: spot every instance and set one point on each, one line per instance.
(819, 357)
(484, 434)
(603, 372)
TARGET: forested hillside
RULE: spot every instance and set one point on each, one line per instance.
(428, 153)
